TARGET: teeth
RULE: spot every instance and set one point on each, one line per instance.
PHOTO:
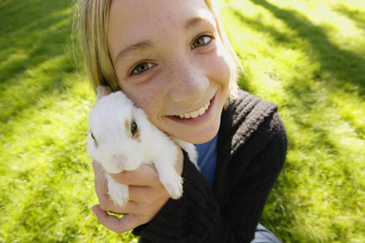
(201, 111)
(196, 113)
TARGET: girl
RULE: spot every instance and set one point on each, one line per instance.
(173, 59)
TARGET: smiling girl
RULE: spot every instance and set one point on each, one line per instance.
(174, 61)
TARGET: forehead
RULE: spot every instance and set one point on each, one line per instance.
(147, 11)
(134, 20)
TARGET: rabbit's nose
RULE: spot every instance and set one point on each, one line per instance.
(119, 162)
(132, 166)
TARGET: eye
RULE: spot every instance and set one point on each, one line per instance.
(141, 67)
(95, 142)
(134, 128)
(202, 41)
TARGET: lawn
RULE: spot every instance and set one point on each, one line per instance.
(307, 56)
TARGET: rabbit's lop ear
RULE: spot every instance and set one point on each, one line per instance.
(102, 90)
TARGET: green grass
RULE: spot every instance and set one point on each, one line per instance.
(307, 56)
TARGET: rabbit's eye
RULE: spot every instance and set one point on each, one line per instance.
(134, 128)
(95, 142)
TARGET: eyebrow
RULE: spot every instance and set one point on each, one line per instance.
(194, 21)
(140, 46)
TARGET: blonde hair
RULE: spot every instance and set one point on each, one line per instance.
(93, 18)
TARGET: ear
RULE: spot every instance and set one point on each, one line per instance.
(102, 90)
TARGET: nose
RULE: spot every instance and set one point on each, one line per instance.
(118, 163)
(188, 81)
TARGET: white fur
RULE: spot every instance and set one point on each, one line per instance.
(117, 150)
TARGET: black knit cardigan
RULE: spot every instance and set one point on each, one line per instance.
(252, 144)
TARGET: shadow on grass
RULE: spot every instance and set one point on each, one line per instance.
(356, 15)
(346, 68)
(32, 30)
(34, 34)
(340, 70)
(47, 197)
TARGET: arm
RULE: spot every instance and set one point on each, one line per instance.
(247, 197)
(199, 217)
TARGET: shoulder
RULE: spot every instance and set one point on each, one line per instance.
(258, 134)
(252, 139)
(247, 115)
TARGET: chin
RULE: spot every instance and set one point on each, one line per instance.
(203, 136)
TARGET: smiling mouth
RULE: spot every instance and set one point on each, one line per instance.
(195, 114)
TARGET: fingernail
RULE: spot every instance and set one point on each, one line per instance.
(93, 209)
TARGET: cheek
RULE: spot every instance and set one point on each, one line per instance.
(219, 68)
(143, 100)
(225, 70)
(146, 97)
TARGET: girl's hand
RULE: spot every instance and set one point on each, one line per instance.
(147, 196)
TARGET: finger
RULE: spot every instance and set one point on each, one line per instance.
(145, 175)
(100, 181)
(148, 195)
(142, 200)
(106, 203)
(97, 167)
(131, 207)
(130, 221)
(118, 225)
(109, 221)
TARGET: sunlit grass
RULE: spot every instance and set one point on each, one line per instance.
(46, 177)
(306, 56)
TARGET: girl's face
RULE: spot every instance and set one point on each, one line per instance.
(170, 61)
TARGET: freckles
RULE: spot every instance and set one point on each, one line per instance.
(219, 64)
(143, 101)
(224, 62)
(148, 101)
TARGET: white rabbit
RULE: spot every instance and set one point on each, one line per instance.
(122, 138)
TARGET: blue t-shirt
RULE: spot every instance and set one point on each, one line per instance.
(207, 158)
